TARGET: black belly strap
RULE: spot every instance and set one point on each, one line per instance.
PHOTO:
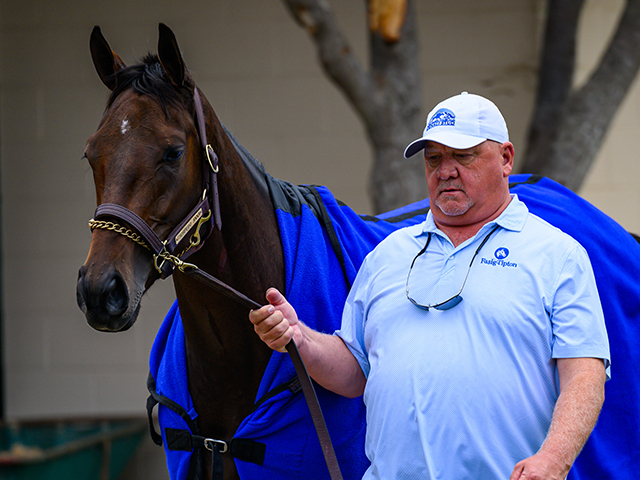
(191, 441)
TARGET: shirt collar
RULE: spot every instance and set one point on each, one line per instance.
(512, 218)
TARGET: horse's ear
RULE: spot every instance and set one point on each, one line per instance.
(170, 56)
(107, 63)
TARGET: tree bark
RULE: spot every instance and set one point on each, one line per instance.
(386, 98)
(567, 136)
(554, 80)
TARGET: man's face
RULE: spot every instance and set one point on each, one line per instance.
(468, 186)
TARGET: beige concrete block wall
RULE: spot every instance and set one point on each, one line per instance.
(259, 71)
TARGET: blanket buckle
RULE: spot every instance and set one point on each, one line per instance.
(219, 445)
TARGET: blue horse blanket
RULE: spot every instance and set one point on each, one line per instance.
(324, 243)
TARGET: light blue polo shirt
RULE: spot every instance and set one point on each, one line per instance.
(468, 392)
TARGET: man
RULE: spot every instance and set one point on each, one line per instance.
(508, 381)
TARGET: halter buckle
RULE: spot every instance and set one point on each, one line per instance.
(175, 261)
(212, 157)
(164, 256)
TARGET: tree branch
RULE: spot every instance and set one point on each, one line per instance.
(335, 54)
(589, 111)
(555, 77)
(387, 17)
(386, 98)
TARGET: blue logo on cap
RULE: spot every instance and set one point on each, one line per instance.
(444, 116)
(501, 253)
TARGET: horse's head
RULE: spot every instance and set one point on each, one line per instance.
(145, 157)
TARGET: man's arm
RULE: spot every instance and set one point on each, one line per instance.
(328, 360)
(575, 414)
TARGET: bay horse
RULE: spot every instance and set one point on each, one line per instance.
(146, 156)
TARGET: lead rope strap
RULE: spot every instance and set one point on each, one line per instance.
(316, 412)
(216, 464)
(305, 381)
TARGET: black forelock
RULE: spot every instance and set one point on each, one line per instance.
(149, 78)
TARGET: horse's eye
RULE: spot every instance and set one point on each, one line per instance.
(172, 154)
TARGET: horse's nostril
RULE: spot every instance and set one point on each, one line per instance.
(116, 299)
(80, 292)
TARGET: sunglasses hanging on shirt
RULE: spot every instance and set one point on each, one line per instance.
(457, 298)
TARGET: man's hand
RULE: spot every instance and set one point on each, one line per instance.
(540, 467)
(328, 360)
(277, 323)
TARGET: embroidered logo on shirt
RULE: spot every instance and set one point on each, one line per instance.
(444, 116)
(499, 261)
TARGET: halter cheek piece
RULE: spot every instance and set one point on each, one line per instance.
(189, 236)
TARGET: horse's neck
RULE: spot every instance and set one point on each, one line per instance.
(225, 357)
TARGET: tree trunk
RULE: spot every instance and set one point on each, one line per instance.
(554, 80)
(394, 180)
(569, 126)
(386, 98)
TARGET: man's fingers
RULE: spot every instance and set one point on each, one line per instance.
(272, 327)
(274, 297)
(517, 473)
(259, 315)
(270, 323)
(278, 335)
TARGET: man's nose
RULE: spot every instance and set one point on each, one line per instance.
(448, 167)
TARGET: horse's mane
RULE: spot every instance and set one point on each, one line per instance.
(149, 78)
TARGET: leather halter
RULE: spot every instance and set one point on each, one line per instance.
(190, 234)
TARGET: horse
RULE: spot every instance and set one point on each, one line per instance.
(146, 156)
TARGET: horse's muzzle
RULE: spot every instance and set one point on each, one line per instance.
(105, 301)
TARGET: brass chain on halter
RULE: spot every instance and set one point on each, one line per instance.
(114, 227)
(130, 234)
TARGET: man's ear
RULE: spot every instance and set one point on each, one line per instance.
(508, 153)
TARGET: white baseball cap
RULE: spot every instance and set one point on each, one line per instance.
(460, 122)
